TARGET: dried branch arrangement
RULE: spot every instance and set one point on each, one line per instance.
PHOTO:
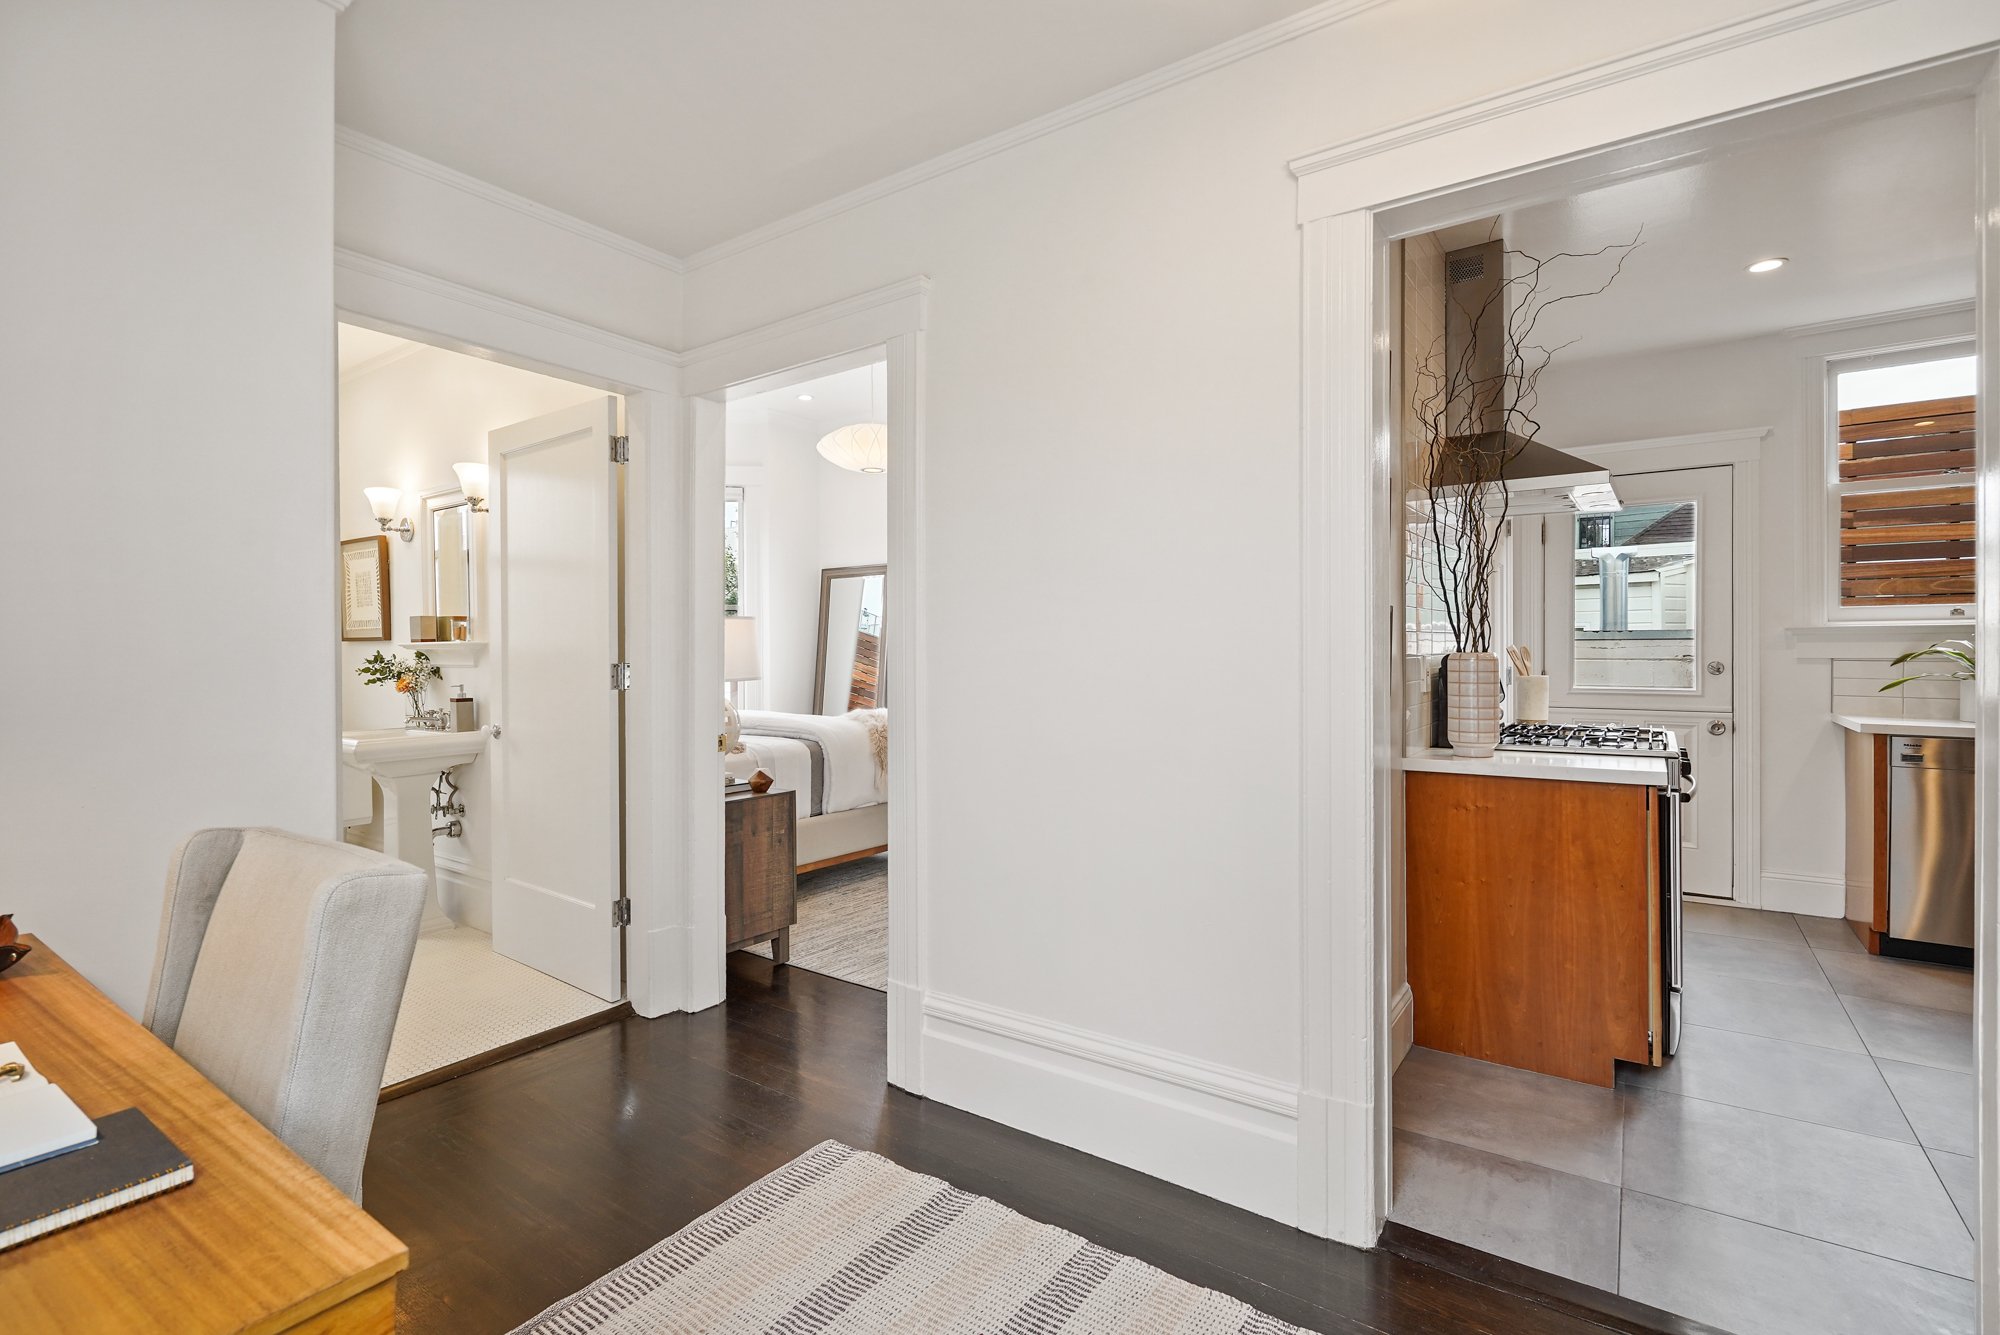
(1475, 421)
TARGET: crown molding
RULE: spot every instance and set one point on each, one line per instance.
(1618, 69)
(1145, 85)
(337, 6)
(404, 160)
(1851, 322)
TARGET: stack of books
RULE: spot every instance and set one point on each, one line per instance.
(58, 1167)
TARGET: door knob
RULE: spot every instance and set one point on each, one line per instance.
(1716, 727)
(1715, 668)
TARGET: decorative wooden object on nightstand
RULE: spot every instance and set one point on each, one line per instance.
(760, 879)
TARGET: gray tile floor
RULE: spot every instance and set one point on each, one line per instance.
(1802, 1166)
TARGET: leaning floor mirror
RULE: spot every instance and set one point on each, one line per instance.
(849, 671)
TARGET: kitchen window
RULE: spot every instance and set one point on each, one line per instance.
(1900, 485)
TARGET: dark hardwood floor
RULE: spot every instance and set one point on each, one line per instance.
(520, 1183)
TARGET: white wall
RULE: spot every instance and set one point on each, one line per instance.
(404, 425)
(803, 515)
(1721, 387)
(166, 412)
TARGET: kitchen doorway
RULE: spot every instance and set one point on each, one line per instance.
(1775, 1257)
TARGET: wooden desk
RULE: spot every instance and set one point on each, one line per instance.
(258, 1242)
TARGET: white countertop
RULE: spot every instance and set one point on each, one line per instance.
(1545, 765)
(1905, 727)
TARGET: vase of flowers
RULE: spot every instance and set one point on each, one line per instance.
(1963, 669)
(410, 676)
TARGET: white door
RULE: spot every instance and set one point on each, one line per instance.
(1639, 623)
(556, 828)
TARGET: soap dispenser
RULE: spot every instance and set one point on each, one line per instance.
(462, 716)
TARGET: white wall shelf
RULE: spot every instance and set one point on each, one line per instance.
(449, 653)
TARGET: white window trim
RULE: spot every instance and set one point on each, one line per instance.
(1819, 507)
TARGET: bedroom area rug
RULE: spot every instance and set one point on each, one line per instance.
(842, 1240)
(843, 927)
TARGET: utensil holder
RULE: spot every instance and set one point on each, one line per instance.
(1531, 699)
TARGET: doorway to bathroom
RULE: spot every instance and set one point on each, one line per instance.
(481, 557)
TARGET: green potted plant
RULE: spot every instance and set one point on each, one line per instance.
(1963, 670)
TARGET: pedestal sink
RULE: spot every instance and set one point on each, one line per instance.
(406, 762)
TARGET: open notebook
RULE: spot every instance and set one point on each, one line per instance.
(37, 1120)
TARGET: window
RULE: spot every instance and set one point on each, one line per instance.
(732, 550)
(1634, 576)
(1900, 473)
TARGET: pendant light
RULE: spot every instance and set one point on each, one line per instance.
(862, 447)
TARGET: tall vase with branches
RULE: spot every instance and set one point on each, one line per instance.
(1476, 415)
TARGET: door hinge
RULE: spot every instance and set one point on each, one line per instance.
(621, 676)
(621, 913)
(621, 449)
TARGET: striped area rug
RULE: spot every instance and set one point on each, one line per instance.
(842, 1241)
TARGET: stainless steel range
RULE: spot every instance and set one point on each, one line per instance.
(1612, 739)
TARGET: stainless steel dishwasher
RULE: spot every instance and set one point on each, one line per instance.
(1930, 849)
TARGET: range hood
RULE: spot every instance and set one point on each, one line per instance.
(1475, 337)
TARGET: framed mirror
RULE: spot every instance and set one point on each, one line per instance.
(848, 672)
(450, 592)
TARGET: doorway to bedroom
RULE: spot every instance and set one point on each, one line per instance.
(806, 577)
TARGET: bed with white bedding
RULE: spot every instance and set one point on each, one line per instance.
(837, 766)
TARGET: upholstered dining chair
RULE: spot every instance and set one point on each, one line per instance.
(280, 967)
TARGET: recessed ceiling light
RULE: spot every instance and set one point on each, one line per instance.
(1765, 266)
(805, 398)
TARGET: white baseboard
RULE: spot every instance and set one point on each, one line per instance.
(467, 893)
(1814, 896)
(1402, 1026)
(1225, 1133)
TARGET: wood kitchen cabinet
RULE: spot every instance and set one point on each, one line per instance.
(1535, 922)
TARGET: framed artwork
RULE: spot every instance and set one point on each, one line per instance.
(364, 588)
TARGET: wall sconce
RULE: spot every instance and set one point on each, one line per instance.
(385, 501)
(472, 481)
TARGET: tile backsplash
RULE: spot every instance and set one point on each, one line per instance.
(1856, 690)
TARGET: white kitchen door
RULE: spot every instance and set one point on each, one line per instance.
(1639, 626)
(557, 831)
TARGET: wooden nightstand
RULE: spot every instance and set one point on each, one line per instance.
(760, 876)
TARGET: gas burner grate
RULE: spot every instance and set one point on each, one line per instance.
(1597, 738)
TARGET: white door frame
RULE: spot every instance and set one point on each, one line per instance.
(1538, 141)
(1986, 931)
(891, 318)
(397, 300)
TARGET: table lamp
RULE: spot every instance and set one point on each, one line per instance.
(739, 663)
